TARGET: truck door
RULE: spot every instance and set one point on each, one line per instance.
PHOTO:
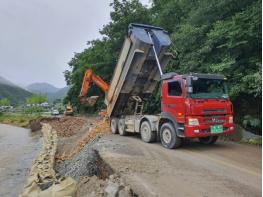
(173, 99)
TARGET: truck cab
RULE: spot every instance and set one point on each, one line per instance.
(195, 105)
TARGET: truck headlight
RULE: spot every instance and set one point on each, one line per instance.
(193, 122)
(230, 119)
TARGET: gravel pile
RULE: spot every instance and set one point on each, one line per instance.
(101, 128)
(85, 163)
(67, 126)
(249, 135)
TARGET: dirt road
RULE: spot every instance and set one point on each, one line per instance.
(225, 169)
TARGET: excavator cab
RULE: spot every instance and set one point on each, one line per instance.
(69, 110)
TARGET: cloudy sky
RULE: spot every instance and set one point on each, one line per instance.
(39, 37)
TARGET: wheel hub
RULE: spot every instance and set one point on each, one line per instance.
(113, 125)
(121, 126)
(166, 136)
(145, 131)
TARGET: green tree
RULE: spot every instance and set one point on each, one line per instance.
(34, 102)
(218, 37)
(4, 102)
(209, 36)
(101, 55)
(36, 99)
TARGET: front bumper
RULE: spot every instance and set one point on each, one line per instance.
(204, 130)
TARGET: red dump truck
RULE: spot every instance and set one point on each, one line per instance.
(193, 105)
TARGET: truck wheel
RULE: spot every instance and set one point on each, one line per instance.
(208, 140)
(121, 127)
(114, 125)
(147, 134)
(168, 136)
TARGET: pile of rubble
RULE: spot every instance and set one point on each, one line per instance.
(79, 172)
(101, 128)
(113, 186)
(86, 163)
(95, 178)
(67, 126)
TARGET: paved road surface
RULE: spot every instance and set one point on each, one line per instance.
(223, 169)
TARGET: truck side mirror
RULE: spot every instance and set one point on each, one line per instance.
(188, 81)
(189, 87)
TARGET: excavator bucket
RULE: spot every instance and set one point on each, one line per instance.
(90, 101)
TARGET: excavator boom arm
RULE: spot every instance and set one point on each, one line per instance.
(100, 83)
(88, 77)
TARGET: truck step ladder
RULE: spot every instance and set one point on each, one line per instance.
(138, 105)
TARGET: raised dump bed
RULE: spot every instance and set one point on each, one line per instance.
(136, 72)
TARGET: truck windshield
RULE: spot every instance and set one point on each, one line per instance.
(209, 88)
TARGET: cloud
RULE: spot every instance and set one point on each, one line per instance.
(38, 38)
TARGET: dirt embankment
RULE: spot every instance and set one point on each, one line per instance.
(21, 120)
(77, 158)
(67, 126)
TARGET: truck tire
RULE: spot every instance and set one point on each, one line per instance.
(121, 127)
(147, 134)
(168, 136)
(114, 125)
(208, 140)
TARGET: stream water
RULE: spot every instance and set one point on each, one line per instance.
(18, 148)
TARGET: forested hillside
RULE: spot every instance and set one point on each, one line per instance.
(49, 90)
(208, 36)
(42, 88)
(14, 94)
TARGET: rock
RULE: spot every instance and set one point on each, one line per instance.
(112, 189)
(111, 177)
(125, 192)
(92, 194)
(86, 163)
(250, 135)
(35, 125)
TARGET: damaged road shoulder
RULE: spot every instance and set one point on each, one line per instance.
(81, 172)
(42, 180)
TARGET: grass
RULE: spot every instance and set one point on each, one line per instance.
(21, 120)
(253, 141)
(237, 136)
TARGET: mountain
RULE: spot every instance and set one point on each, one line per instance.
(51, 91)
(42, 88)
(16, 95)
(61, 93)
(6, 82)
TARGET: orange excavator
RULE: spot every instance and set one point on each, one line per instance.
(88, 77)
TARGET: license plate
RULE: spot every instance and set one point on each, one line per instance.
(216, 128)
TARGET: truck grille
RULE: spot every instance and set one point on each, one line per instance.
(213, 111)
(214, 119)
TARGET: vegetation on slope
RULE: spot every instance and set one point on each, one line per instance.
(20, 120)
(14, 94)
(49, 90)
(209, 36)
